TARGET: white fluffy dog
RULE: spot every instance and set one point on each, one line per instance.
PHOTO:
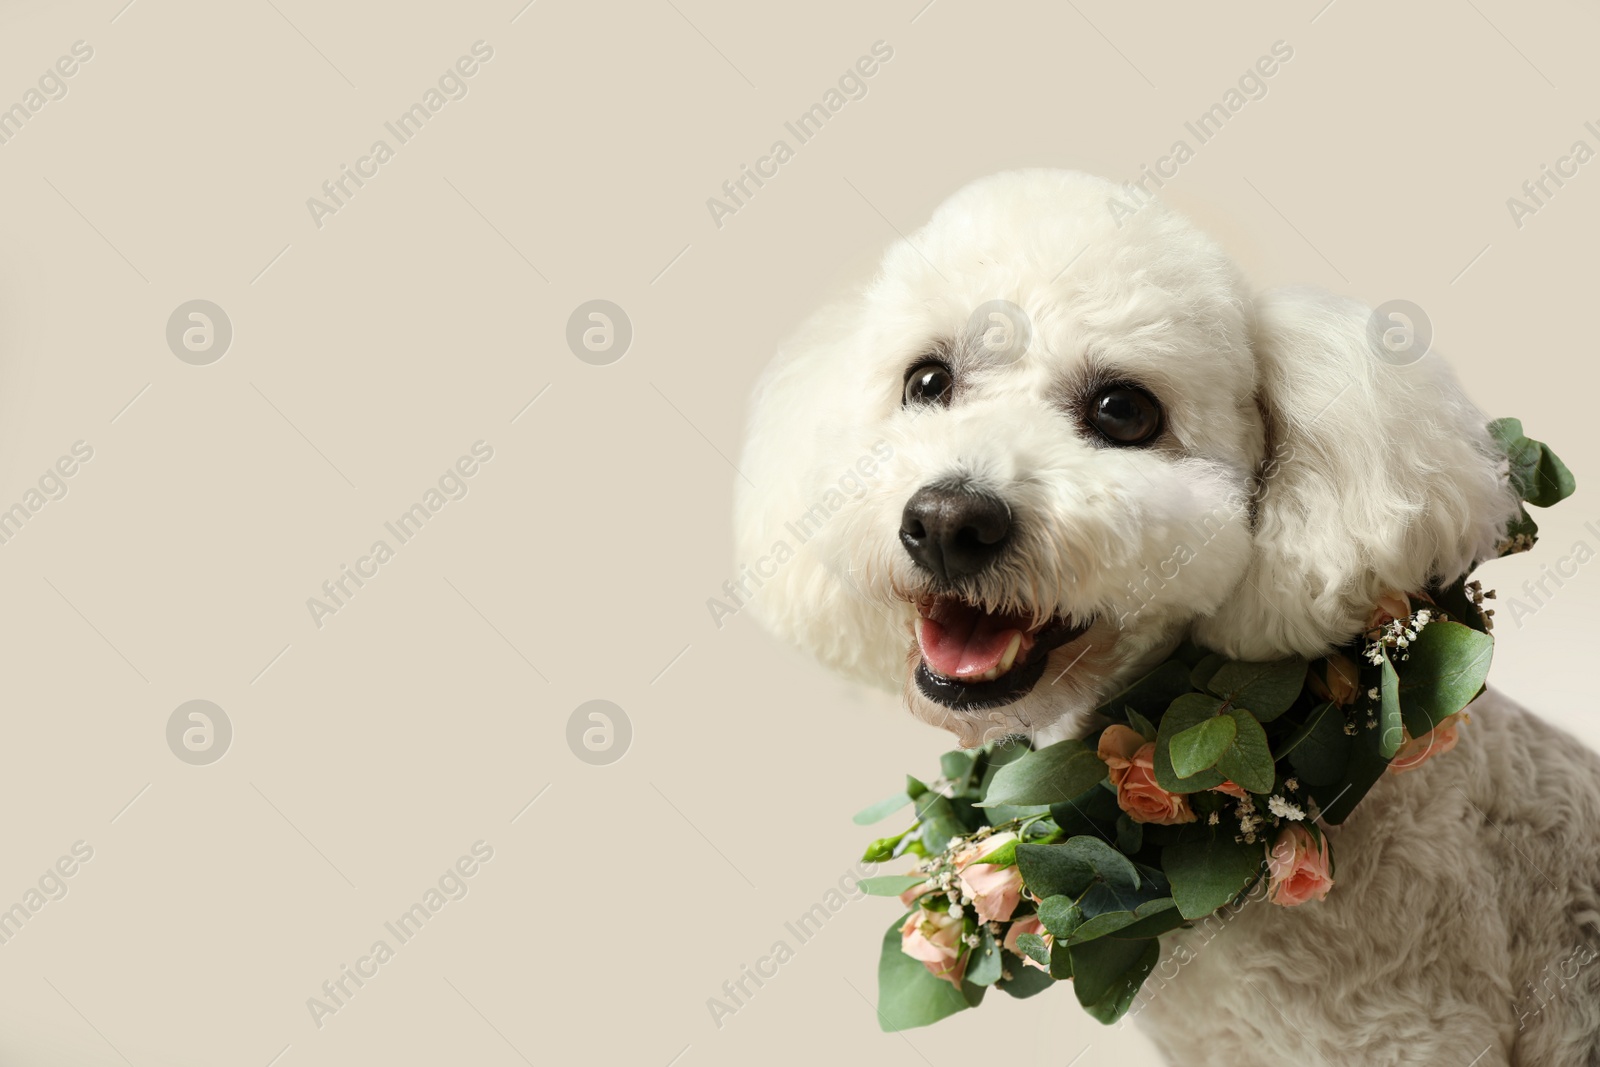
(1045, 445)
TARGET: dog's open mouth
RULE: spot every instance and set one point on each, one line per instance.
(974, 659)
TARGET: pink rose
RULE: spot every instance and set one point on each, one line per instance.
(1415, 751)
(910, 896)
(995, 891)
(1028, 924)
(1299, 867)
(1390, 606)
(1337, 680)
(934, 938)
(1130, 760)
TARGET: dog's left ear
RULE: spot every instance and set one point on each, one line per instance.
(1379, 474)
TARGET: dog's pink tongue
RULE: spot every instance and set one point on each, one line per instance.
(963, 641)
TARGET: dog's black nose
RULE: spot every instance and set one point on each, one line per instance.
(953, 531)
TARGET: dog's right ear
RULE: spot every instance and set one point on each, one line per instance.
(1379, 475)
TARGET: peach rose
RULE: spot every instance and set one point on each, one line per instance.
(1415, 751)
(1337, 680)
(1299, 867)
(934, 938)
(995, 891)
(1028, 924)
(1130, 761)
(1392, 606)
(1232, 789)
(910, 896)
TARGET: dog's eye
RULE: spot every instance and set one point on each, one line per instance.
(928, 383)
(1125, 415)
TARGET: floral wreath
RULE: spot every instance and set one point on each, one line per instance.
(1069, 861)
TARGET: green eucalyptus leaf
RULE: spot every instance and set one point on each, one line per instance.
(956, 767)
(1447, 667)
(1072, 867)
(1093, 812)
(939, 822)
(1159, 915)
(1024, 981)
(1145, 727)
(1004, 856)
(1319, 749)
(890, 885)
(1035, 948)
(1537, 473)
(1130, 835)
(1391, 735)
(1248, 759)
(1201, 745)
(984, 963)
(1191, 709)
(1206, 874)
(1267, 689)
(1060, 915)
(1108, 969)
(1201, 673)
(1060, 961)
(1363, 769)
(882, 809)
(1154, 918)
(1115, 1004)
(1552, 481)
(1150, 695)
(1107, 922)
(1047, 776)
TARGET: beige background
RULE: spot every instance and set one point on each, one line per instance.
(369, 754)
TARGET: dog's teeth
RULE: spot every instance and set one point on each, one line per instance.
(1010, 656)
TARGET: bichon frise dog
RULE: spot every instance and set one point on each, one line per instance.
(990, 454)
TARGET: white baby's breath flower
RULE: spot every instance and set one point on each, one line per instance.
(955, 911)
(1283, 809)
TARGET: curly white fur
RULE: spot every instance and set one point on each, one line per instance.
(1297, 478)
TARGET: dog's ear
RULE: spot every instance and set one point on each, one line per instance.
(1379, 475)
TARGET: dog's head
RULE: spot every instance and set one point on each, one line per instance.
(1054, 437)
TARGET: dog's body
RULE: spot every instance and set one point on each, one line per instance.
(1051, 441)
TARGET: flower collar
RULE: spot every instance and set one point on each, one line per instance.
(1212, 780)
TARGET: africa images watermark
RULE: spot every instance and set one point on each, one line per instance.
(1553, 981)
(52, 485)
(452, 485)
(452, 85)
(1537, 192)
(850, 486)
(852, 85)
(52, 85)
(338, 991)
(1252, 85)
(51, 885)
(1552, 577)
